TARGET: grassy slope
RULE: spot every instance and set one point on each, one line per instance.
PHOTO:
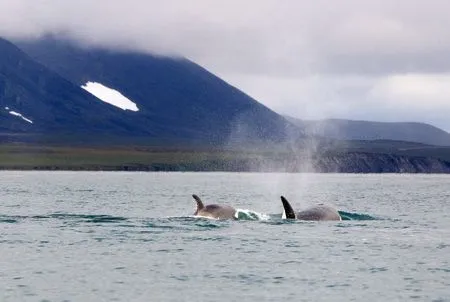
(19, 156)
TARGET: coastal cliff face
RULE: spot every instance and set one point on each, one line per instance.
(380, 163)
(355, 162)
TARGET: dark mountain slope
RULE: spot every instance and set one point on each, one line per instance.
(366, 130)
(52, 104)
(176, 94)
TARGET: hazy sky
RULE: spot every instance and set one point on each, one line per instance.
(386, 60)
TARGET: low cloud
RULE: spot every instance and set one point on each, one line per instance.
(260, 36)
(390, 98)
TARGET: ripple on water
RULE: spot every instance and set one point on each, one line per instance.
(356, 216)
(8, 219)
(256, 258)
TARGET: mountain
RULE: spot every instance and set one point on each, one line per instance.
(36, 103)
(174, 98)
(365, 130)
(93, 108)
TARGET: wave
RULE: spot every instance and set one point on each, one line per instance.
(89, 218)
(356, 216)
(241, 215)
(245, 214)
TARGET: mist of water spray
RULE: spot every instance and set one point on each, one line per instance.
(304, 150)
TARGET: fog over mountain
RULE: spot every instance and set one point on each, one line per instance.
(364, 60)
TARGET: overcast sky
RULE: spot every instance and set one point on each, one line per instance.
(385, 60)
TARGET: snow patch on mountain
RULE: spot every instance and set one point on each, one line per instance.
(110, 96)
(20, 115)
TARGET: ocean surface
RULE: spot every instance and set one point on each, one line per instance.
(128, 236)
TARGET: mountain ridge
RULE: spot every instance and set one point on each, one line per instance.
(343, 129)
(174, 92)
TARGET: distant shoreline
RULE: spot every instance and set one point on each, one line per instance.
(120, 169)
(408, 168)
(62, 158)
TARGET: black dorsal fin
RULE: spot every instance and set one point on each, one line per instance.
(289, 212)
(199, 203)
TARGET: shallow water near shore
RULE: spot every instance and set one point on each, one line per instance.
(118, 236)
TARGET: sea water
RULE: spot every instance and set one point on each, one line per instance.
(125, 236)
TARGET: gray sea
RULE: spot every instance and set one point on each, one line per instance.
(127, 236)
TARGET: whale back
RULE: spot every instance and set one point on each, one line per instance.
(218, 211)
(320, 212)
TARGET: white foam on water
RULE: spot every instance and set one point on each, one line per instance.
(245, 214)
(208, 217)
(110, 96)
(20, 115)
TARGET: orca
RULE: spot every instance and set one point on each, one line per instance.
(315, 213)
(214, 210)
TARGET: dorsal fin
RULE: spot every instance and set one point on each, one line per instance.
(288, 211)
(199, 203)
